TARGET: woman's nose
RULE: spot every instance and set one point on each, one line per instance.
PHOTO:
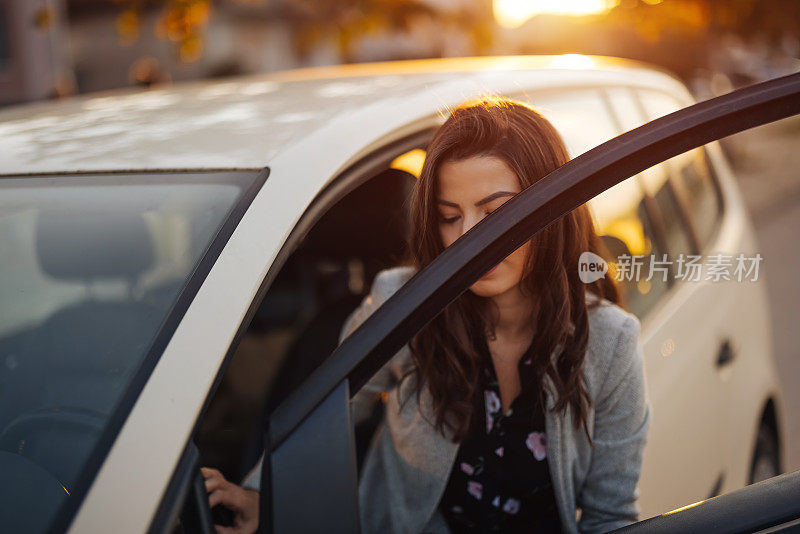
(470, 221)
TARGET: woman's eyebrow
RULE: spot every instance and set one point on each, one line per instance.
(481, 201)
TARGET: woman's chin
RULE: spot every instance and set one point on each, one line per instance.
(485, 288)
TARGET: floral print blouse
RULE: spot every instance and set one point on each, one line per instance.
(500, 480)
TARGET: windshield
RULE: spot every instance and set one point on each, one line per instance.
(90, 268)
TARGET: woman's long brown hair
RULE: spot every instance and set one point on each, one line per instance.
(446, 352)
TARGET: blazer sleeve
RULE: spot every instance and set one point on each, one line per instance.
(386, 378)
(608, 498)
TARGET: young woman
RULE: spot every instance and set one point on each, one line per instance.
(523, 402)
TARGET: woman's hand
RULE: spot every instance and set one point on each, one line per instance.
(242, 502)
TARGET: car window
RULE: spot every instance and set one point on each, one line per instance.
(657, 184)
(296, 325)
(694, 176)
(657, 104)
(580, 116)
(584, 120)
(623, 224)
(628, 113)
(669, 213)
(89, 269)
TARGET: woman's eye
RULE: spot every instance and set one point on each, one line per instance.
(448, 220)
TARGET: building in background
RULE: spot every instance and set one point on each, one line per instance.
(34, 57)
(50, 48)
(58, 47)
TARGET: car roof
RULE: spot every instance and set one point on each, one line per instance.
(245, 122)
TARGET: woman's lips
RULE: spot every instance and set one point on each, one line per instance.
(492, 269)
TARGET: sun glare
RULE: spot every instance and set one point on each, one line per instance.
(513, 13)
(572, 61)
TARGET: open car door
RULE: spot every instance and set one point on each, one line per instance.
(308, 479)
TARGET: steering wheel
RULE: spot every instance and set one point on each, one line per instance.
(20, 437)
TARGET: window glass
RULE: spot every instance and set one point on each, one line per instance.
(657, 184)
(584, 121)
(297, 325)
(705, 201)
(623, 225)
(581, 118)
(693, 173)
(657, 104)
(627, 112)
(89, 269)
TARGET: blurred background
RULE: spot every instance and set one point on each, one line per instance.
(52, 48)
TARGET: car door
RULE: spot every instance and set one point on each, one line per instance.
(309, 473)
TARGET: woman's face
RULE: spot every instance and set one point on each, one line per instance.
(466, 191)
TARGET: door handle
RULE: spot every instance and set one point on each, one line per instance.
(725, 353)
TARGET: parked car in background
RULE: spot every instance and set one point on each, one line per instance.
(176, 263)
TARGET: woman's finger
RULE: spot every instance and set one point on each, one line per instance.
(219, 496)
(210, 472)
(215, 482)
(229, 496)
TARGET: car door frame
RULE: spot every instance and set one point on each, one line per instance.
(179, 491)
(359, 356)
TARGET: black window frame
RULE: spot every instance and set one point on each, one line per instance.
(431, 289)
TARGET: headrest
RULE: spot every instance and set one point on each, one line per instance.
(91, 244)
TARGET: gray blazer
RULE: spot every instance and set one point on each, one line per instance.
(408, 462)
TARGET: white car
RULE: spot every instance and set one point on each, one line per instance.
(175, 263)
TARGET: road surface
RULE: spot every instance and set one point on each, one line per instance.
(767, 164)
